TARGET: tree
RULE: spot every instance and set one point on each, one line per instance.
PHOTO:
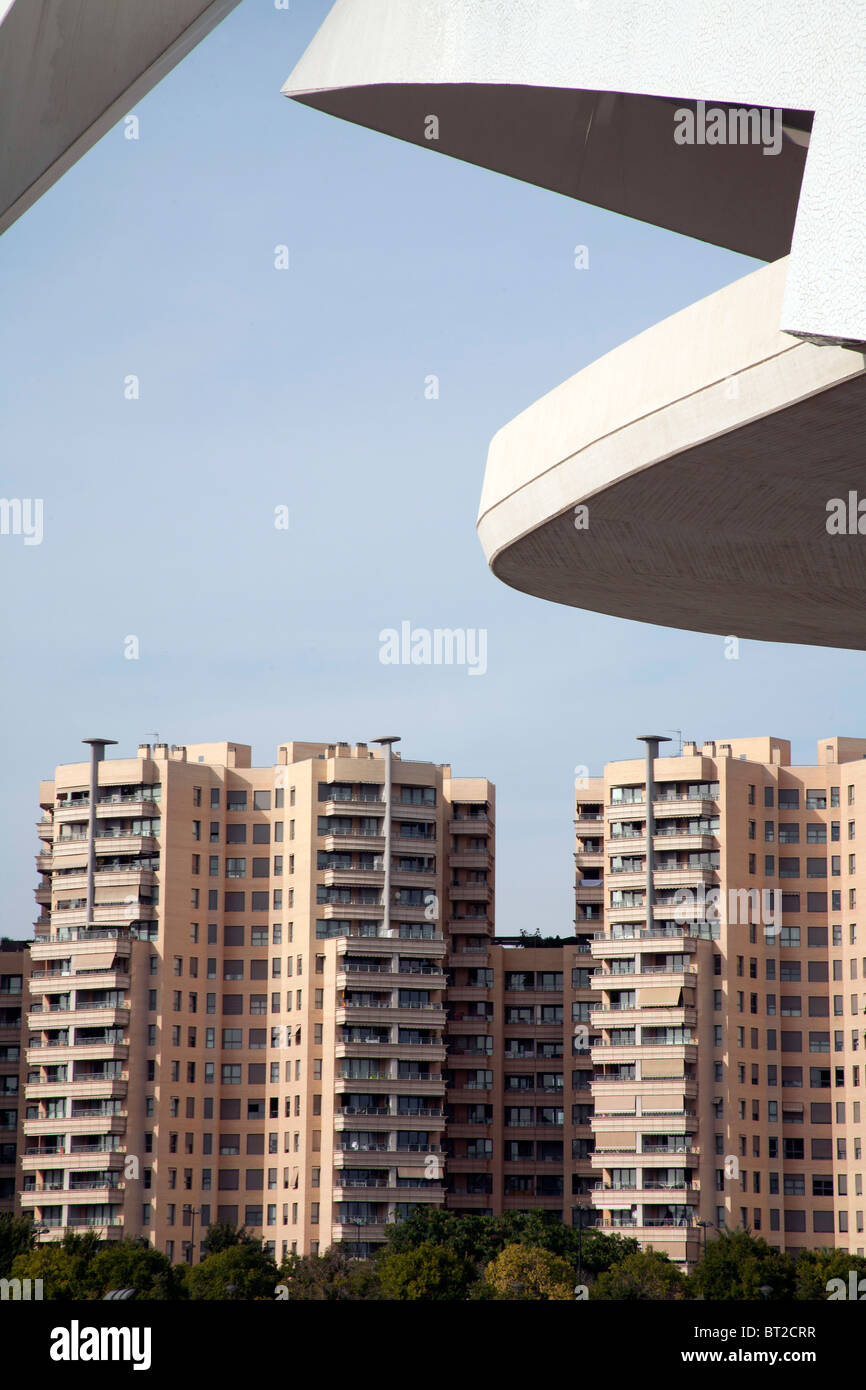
(66, 1268)
(16, 1238)
(480, 1239)
(431, 1273)
(132, 1265)
(330, 1276)
(737, 1265)
(644, 1274)
(242, 1272)
(523, 1272)
(221, 1235)
(815, 1269)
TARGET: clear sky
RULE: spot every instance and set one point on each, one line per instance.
(306, 388)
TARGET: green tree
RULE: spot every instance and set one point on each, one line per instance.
(479, 1239)
(136, 1265)
(428, 1272)
(66, 1268)
(241, 1272)
(326, 1277)
(736, 1265)
(221, 1235)
(524, 1272)
(644, 1274)
(16, 1238)
(815, 1268)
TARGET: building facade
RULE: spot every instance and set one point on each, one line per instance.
(730, 994)
(14, 973)
(237, 1008)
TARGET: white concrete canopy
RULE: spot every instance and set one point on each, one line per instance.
(706, 452)
(580, 97)
(69, 69)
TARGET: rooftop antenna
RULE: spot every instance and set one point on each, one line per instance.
(679, 734)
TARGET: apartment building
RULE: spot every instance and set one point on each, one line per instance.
(519, 1077)
(14, 973)
(237, 1008)
(729, 993)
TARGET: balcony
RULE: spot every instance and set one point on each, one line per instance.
(87, 1087)
(361, 912)
(676, 806)
(470, 825)
(632, 912)
(89, 1015)
(675, 1053)
(357, 806)
(470, 859)
(354, 878)
(110, 914)
(684, 876)
(423, 1016)
(470, 892)
(352, 840)
(659, 940)
(428, 1052)
(683, 839)
(132, 806)
(354, 1232)
(126, 844)
(650, 1015)
(78, 810)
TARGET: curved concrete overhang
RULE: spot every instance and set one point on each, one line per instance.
(707, 452)
(69, 69)
(581, 97)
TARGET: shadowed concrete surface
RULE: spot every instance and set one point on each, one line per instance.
(69, 69)
(705, 451)
(580, 98)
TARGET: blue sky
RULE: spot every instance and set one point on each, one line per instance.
(305, 388)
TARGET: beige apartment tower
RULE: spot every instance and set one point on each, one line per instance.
(237, 1007)
(14, 974)
(730, 993)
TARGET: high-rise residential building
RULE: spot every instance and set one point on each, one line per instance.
(731, 989)
(519, 1077)
(14, 973)
(238, 999)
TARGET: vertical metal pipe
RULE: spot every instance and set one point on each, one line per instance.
(387, 744)
(652, 742)
(97, 753)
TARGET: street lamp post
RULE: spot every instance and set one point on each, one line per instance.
(580, 1211)
(194, 1212)
(387, 742)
